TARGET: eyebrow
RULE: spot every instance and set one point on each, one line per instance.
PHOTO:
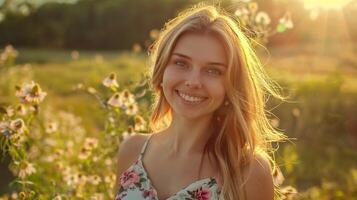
(188, 57)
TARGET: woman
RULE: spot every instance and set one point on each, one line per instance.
(211, 134)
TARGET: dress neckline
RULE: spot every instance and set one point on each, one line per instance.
(200, 181)
(141, 165)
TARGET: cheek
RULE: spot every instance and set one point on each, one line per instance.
(169, 80)
(217, 90)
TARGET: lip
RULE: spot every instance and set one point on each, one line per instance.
(190, 103)
(192, 95)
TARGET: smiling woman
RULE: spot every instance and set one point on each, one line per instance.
(326, 4)
(210, 91)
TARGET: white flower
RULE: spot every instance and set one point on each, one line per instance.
(5, 129)
(18, 125)
(131, 109)
(30, 93)
(21, 110)
(26, 169)
(140, 123)
(111, 81)
(95, 179)
(241, 12)
(127, 97)
(115, 100)
(51, 127)
(90, 143)
(262, 18)
(128, 133)
(286, 21)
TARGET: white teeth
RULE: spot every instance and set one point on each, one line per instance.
(190, 98)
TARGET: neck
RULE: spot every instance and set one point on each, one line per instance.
(187, 136)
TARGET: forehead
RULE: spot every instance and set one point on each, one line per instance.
(201, 47)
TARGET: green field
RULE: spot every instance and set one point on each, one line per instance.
(320, 112)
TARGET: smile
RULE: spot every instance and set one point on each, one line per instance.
(190, 98)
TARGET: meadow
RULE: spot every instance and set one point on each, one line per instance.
(319, 115)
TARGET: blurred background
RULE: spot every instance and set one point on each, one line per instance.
(61, 43)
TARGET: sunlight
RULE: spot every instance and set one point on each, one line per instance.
(326, 4)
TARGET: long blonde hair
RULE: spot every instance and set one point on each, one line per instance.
(243, 129)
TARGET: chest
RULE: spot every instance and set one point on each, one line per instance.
(169, 177)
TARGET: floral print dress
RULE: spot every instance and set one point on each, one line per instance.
(136, 185)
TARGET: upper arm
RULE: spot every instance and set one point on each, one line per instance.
(259, 185)
(129, 151)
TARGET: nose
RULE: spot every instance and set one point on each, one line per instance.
(193, 80)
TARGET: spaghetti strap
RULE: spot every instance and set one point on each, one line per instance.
(144, 147)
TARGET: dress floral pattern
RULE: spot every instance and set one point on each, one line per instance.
(136, 185)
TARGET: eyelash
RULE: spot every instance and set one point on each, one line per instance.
(184, 64)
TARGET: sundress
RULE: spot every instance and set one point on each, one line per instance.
(136, 185)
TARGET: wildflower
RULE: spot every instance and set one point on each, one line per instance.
(9, 111)
(75, 55)
(30, 93)
(18, 125)
(131, 109)
(84, 153)
(51, 127)
(115, 100)
(278, 177)
(90, 143)
(285, 23)
(58, 152)
(81, 178)
(95, 179)
(21, 110)
(137, 48)
(140, 123)
(111, 81)
(262, 18)
(127, 97)
(128, 133)
(241, 12)
(71, 179)
(26, 169)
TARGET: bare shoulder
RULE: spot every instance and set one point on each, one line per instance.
(129, 151)
(259, 183)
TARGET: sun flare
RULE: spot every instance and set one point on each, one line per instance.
(325, 4)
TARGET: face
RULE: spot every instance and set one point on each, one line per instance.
(193, 80)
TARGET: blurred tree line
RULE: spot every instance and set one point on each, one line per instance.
(118, 24)
(88, 24)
